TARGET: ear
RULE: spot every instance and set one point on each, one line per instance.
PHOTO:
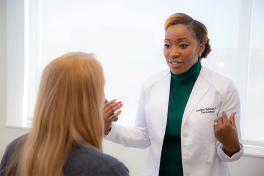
(201, 48)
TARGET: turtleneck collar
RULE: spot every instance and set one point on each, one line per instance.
(189, 76)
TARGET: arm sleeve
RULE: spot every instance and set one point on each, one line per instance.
(8, 153)
(230, 104)
(3, 163)
(118, 170)
(138, 136)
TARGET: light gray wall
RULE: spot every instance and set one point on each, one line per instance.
(134, 159)
(7, 134)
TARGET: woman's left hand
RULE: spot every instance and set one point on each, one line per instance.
(226, 133)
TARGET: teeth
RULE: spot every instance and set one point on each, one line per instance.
(174, 63)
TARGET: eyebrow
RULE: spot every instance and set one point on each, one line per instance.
(178, 39)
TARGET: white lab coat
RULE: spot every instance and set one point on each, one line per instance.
(202, 154)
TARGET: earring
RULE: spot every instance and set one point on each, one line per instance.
(200, 54)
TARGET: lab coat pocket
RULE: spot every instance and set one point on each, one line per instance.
(146, 172)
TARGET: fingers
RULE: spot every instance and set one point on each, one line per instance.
(220, 120)
(110, 102)
(110, 108)
(114, 108)
(232, 119)
(216, 121)
(225, 119)
(111, 105)
(112, 118)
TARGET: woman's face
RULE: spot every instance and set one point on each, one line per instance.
(181, 49)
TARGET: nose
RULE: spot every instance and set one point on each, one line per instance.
(174, 53)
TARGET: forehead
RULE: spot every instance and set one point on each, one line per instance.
(179, 31)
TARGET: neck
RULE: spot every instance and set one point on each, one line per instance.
(189, 76)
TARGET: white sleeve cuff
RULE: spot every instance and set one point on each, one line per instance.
(112, 132)
(225, 157)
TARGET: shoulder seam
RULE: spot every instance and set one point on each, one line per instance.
(226, 90)
(213, 87)
(120, 163)
(156, 82)
(230, 81)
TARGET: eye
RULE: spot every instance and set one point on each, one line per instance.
(167, 46)
(183, 45)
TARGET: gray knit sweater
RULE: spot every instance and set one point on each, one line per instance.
(82, 161)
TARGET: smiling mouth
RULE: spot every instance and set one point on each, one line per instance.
(174, 63)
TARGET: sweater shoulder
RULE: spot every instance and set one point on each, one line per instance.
(10, 149)
(12, 146)
(90, 160)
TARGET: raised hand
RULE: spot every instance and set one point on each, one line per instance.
(226, 133)
(108, 110)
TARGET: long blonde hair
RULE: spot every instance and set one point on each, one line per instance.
(68, 113)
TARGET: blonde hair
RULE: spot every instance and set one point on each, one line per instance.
(68, 113)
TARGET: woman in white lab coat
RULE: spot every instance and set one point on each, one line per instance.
(188, 115)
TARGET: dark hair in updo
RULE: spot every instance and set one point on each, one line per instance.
(196, 27)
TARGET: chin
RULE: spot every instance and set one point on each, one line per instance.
(176, 72)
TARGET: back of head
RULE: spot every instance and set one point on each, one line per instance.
(198, 29)
(71, 97)
(68, 113)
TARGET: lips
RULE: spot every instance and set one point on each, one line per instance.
(175, 63)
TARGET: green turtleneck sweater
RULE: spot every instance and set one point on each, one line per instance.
(180, 90)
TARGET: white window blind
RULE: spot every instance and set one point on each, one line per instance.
(254, 130)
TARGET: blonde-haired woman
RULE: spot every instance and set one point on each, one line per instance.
(67, 129)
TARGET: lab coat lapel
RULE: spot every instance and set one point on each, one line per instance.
(164, 97)
(199, 89)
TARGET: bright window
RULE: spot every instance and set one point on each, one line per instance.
(127, 38)
(255, 87)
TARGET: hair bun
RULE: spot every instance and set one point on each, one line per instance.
(207, 48)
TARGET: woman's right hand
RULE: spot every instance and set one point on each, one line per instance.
(108, 114)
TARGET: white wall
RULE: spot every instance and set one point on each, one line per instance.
(7, 134)
(134, 159)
